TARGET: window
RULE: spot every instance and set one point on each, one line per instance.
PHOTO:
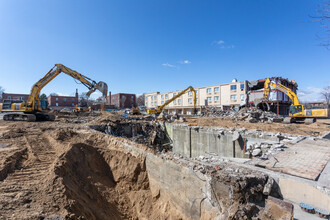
(132, 96)
(216, 98)
(146, 99)
(146, 103)
(242, 86)
(166, 96)
(21, 98)
(179, 101)
(208, 90)
(216, 89)
(73, 100)
(242, 97)
(174, 94)
(9, 97)
(233, 97)
(196, 100)
(56, 104)
(64, 99)
(162, 102)
(72, 104)
(233, 87)
(209, 99)
(196, 92)
(190, 100)
(174, 102)
(152, 98)
(295, 109)
(189, 93)
(155, 97)
(56, 99)
(162, 96)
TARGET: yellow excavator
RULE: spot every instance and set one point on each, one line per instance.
(31, 109)
(297, 112)
(79, 109)
(160, 108)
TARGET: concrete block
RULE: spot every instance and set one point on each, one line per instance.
(277, 209)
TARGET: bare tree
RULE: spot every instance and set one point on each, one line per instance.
(84, 100)
(323, 16)
(1, 92)
(140, 100)
(326, 94)
(83, 96)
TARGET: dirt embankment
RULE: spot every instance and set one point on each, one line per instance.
(316, 129)
(64, 172)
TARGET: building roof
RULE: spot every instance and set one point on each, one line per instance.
(14, 94)
(60, 96)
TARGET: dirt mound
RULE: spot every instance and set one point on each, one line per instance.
(64, 134)
(107, 117)
(12, 162)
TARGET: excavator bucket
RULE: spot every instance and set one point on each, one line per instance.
(101, 86)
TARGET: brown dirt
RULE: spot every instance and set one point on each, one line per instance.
(66, 170)
(318, 128)
(58, 170)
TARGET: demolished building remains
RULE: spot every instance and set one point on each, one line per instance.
(227, 96)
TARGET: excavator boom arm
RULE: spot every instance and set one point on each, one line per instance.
(292, 95)
(56, 70)
(178, 95)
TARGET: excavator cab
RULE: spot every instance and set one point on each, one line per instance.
(294, 109)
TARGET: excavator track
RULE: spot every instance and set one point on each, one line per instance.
(28, 117)
(19, 117)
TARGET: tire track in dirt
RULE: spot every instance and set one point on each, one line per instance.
(21, 190)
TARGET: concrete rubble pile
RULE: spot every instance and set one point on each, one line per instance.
(150, 133)
(171, 118)
(216, 112)
(249, 114)
(254, 115)
(264, 150)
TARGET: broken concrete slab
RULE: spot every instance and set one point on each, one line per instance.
(277, 209)
(306, 159)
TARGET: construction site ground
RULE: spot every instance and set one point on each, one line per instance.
(319, 128)
(60, 169)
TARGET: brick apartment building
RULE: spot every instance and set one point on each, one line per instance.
(12, 96)
(122, 100)
(60, 102)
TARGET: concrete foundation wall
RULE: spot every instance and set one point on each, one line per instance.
(196, 141)
(181, 186)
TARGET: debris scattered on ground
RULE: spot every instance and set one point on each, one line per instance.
(248, 114)
(80, 166)
(138, 129)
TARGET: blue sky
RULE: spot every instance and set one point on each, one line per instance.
(152, 45)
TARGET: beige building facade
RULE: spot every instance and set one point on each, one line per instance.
(222, 95)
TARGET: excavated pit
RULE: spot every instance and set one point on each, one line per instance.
(111, 185)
